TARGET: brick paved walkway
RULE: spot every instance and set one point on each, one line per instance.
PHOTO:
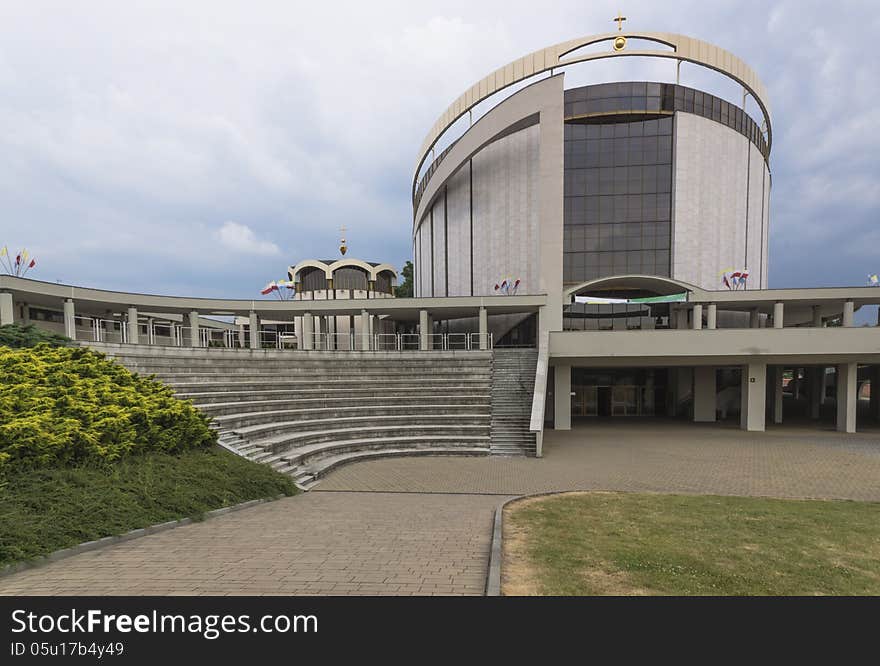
(423, 525)
(648, 456)
(327, 543)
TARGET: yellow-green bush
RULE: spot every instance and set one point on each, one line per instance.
(63, 405)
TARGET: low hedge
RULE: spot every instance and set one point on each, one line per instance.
(67, 405)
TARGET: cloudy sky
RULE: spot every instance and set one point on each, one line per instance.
(199, 148)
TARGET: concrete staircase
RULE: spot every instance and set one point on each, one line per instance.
(305, 413)
(513, 383)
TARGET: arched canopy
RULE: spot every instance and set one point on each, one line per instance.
(330, 267)
(687, 49)
(632, 286)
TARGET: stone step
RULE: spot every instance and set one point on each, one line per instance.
(242, 419)
(323, 429)
(216, 409)
(308, 455)
(349, 382)
(213, 396)
(426, 433)
(311, 473)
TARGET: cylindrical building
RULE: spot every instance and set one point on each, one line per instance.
(558, 187)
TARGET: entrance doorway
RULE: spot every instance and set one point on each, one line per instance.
(617, 392)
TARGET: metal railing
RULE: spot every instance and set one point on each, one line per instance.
(169, 334)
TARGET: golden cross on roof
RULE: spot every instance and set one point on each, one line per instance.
(620, 19)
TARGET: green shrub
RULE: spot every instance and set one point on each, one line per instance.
(16, 335)
(67, 405)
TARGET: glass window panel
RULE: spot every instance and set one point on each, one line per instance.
(654, 89)
(592, 131)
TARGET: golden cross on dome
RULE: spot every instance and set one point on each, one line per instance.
(620, 19)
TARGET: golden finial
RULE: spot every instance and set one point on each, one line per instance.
(619, 41)
(343, 246)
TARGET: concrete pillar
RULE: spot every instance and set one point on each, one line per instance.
(816, 385)
(133, 328)
(365, 330)
(712, 316)
(484, 329)
(424, 339)
(254, 328)
(754, 318)
(754, 397)
(705, 393)
(194, 338)
(823, 385)
(697, 316)
(848, 315)
(308, 340)
(6, 309)
(778, 315)
(69, 319)
(817, 316)
(875, 392)
(562, 397)
(681, 318)
(778, 372)
(847, 396)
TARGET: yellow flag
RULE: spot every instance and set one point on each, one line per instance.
(3, 252)
(24, 255)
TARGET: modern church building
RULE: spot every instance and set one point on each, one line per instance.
(580, 252)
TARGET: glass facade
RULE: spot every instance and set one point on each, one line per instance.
(618, 198)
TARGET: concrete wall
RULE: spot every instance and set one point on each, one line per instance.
(711, 204)
(505, 222)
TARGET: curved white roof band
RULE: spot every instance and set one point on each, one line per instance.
(685, 48)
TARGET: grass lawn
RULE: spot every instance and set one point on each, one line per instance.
(48, 509)
(624, 544)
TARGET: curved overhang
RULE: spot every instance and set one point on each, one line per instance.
(660, 286)
(686, 49)
(329, 269)
(518, 111)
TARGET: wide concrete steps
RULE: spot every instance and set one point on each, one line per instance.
(306, 413)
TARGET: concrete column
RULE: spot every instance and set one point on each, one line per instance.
(875, 392)
(681, 316)
(697, 316)
(778, 315)
(308, 340)
(6, 309)
(562, 397)
(823, 385)
(194, 338)
(69, 319)
(712, 316)
(848, 315)
(254, 328)
(705, 393)
(754, 397)
(365, 330)
(817, 316)
(847, 396)
(424, 339)
(815, 391)
(133, 328)
(484, 329)
(754, 319)
(778, 372)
